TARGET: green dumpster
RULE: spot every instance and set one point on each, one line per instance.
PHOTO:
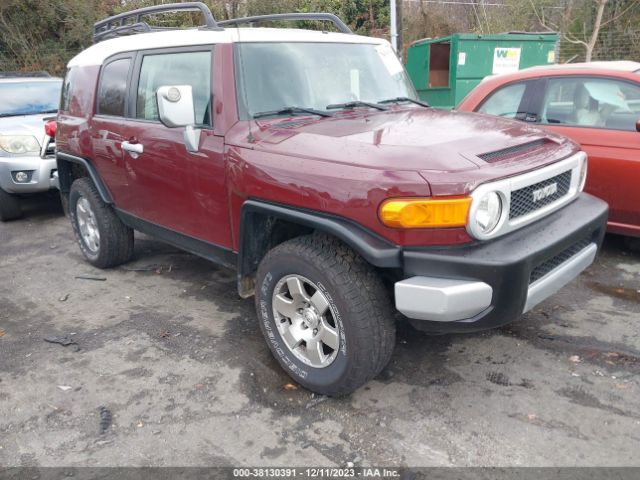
(445, 69)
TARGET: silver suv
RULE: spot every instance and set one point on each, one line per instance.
(25, 102)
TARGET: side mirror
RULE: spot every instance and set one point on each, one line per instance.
(175, 109)
(175, 106)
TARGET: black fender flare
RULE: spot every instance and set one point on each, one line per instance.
(65, 177)
(255, 219)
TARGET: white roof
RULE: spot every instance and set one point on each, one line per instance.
(97, 53)
(621, 65)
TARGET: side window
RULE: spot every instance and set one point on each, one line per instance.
(113, 87)
(185, 68)
(506, 101)
(67, 86)
(592, 102)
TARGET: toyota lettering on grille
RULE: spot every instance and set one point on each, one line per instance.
(544, 192)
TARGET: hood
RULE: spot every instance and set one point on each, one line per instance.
(24, 125)
(404, 138)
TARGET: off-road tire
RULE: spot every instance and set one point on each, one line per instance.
(357, 293)
(10, 208)
(116, 239)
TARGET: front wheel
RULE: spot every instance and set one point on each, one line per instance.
(10, 208)
(325, 314)
(632, 243)
(104, 240)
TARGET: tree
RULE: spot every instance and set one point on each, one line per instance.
(41, 34)
(581, 26)
(45, 34)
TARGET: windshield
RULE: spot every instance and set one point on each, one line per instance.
(273, 76)
(27, 98)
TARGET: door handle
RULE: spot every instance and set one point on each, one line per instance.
(136, 148)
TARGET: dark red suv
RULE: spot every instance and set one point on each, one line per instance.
(304, 160)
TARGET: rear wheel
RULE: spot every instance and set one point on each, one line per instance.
(324, 313)
(104, 240)
(10, 208)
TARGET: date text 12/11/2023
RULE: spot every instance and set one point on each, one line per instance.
(317, 472)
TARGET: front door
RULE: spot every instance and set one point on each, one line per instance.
(169, 186)
(600, 113)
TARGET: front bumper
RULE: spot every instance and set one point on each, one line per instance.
(43, 171)
(491, 283)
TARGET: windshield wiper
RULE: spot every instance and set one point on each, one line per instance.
(292, 110)
(405, 99)
(356, 103)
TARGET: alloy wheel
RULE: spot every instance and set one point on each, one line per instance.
(87, 225)
(306, 321)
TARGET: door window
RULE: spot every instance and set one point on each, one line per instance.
(67, 87)
(113, 87)
(506, 102)
(592, 102)
(184, 68)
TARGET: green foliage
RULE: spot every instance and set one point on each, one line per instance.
(362, 16)
(45, 34)
(39, 34)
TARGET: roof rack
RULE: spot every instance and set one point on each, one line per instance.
(120, 24)
(117, 25)
(39, 74)
(326, 17)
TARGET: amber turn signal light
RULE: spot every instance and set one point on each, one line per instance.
(425, 212)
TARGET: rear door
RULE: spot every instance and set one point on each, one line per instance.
(107, 123)
(169, 186)
(600, 113)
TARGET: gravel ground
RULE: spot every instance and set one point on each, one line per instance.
(169, 369)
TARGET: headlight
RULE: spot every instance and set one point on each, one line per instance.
(583, 173)
(488, 213)
(19, 143)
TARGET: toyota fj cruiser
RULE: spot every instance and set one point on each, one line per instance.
(304, 160)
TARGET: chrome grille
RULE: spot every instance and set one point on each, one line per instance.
(559, 184)
(522, 200)
(554, 262)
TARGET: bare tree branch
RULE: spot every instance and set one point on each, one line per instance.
(596, 29)
(613, 19)
(574, 40)
(568, 18)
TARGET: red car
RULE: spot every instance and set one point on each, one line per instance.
(299, 158)
(596, 104)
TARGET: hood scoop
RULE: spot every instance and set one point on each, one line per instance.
(289, 124)
(512, 151)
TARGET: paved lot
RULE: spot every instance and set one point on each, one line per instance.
(167, 347)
